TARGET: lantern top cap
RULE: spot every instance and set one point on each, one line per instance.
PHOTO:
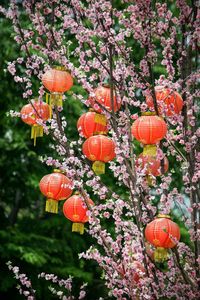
(60, 68)
(57, 171)
(149, 113)
(76, 193)
(91, 110)
(163, 216)
(100, 133)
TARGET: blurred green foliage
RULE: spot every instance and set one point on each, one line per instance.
(31, 239)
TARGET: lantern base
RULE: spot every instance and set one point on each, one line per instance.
(160, 254)
(78, 227)
(51, 206)
(36, 131)
(98, 167)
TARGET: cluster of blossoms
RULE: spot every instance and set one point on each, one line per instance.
(106, 41)
(25, 286)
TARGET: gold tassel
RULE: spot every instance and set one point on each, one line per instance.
(78, 227)
(150, 150)
(51, 206)
(100, 119)
(48, 102)
(52, 100)
(98, 167)
(149, 180)
(160, 254)
(36, 131)
(59, 101)
(47, 98)
(56, 99)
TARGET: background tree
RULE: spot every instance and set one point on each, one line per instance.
(132, 44)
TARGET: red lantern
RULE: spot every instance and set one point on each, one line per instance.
(57, 81)
(55, 187)
(169, 102)
(162, 233)
(99, 149)
(103, 97)
(148, 161)
(149, 129)
(75, 210)
(31, 113)
(92, 123)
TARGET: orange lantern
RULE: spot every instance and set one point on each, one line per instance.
(75, 210)
(57, 81)
(149, 128)
(31, 113)
(103, 97)
(55, 187)
(148, 160)
(162, 233)
(170, 102)
(99, 149)
(92, 123)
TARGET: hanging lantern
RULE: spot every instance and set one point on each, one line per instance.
(148, 161)
(103, 97)
(75, 210)
(55, 187)
(99, 149)
(31, 113)
(164, 234)
(169, 102)
(57, 81)
(149, 128)
(92, 123)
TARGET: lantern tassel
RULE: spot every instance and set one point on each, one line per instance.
(59, 101)
(36, 131)
(78, 227)
(56, 99)
(149, 180)
(48, 102)
(100, 119)
(47, 98)
(160, 254)
(51, 206)
(98, 167)
(150, 150)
